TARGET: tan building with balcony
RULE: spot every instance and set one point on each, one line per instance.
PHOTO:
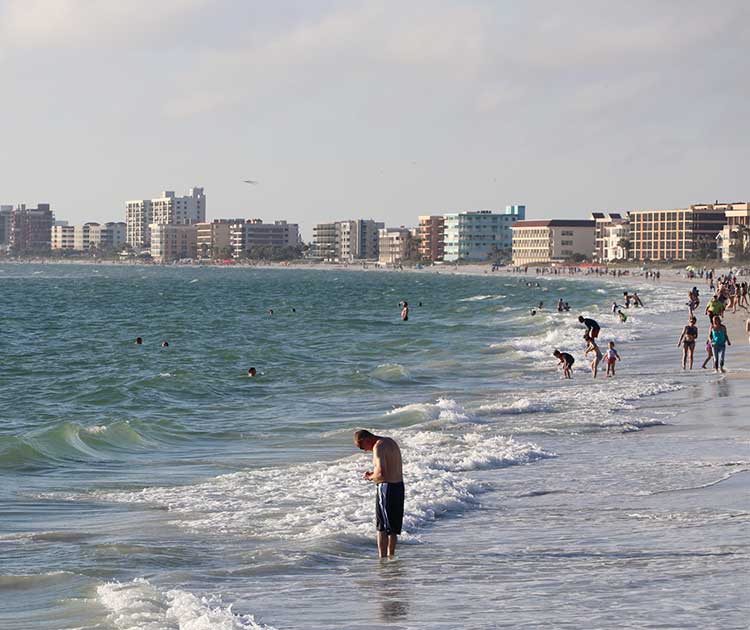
(394, 244)
(676, 234)
(551, 241)
(431, 237)
(213, 238)
(173, 242)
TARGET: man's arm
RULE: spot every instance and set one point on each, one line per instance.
(378, 460)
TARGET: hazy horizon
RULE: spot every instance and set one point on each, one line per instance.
(373, 109)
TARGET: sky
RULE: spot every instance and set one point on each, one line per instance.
(374, 109)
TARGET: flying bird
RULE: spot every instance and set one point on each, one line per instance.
(250, 181)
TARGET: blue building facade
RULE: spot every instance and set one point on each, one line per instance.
(477, 235)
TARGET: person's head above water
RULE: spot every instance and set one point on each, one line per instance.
(139, 340)
(165, 344)
(252, 372)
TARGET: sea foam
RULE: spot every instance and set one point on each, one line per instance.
(140, 605)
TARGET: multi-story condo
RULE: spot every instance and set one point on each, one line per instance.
(393, 245)
(213, 238)
(62, 236)
(734, 238)
(344, 241)
(479, 235)
(30, 228)
(552, 240)
(603, 222)
(166, 210)
(615, 242)
(5, 213)
(676, 234)
(245, 235)
(431, 237)
(173, 242)
(88, 236)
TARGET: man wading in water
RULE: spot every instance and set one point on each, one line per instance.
(386, 473)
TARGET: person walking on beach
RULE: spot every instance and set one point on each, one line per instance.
(687, 341)
(719, 342)
(387, 474)
(715, 307)
(610, 357)
(567, 361)
(598, 356)
(592, 327)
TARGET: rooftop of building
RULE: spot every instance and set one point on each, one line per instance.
(554, 223)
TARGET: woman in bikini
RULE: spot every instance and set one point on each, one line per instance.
(687, 341)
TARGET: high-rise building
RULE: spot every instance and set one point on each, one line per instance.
(30, 228)
(344, 241)
(62, 236)
(552, 240)
(393, 245)
(480, 235)
(431, 237)
(245, 235)
(676, 234)
(166, 210)
(171, 242)
(5, 214)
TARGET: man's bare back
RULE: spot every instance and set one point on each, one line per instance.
(386, 461)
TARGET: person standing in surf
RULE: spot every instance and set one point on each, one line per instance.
(598, 356)
(405, 311)
(592, 327)
(687, 341)
(387, 474)
(719, 338)
(566, 360)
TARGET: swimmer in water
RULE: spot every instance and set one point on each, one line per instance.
(139, 341)
(610, 357)
(165, 344)
(623, 317)
(533, 311)
(405, 312)
(566, 360)
(252, 372)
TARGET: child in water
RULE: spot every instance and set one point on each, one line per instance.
(566, 360)
(610, 358)
(593, 348)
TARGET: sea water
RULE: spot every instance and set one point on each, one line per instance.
(150, 487)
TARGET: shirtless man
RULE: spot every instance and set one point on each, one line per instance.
(386, 473)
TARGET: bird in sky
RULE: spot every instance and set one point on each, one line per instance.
(250, 181)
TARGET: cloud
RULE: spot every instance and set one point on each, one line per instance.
(82, 23)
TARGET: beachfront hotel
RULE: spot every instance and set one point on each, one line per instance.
(394, 244)
(734, 238)
(213, 238)
(431, 237)
(345, 241)
(88, 236)
(552, 241)
(245, 235)
(677, 234)
(26, 230)
(608, 233)
(171, 242)
(480, 234)
(167, 209)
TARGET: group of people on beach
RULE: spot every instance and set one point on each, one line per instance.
(610, 356)
(730, 294)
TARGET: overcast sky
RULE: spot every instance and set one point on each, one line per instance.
(376, 108)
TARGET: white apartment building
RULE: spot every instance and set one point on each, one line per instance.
(552, 240)
(478, 235)
(165, 210)
(603, 222)
(171, 242)
(91, 235)
(393, 245)
(615, 237)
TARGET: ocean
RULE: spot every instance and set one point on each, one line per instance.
(150, 487)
